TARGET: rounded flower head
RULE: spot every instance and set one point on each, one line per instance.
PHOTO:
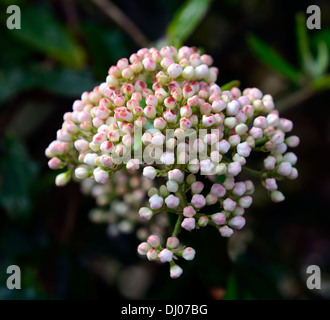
(161, 114)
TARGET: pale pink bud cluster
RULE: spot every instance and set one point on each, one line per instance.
(154, 251)
(161, 113)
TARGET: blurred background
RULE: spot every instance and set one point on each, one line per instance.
(65, 47)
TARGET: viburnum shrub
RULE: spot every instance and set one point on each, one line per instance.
(160, 125)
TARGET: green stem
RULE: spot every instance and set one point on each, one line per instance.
(177, 225)
(183, 200)
(252, 172)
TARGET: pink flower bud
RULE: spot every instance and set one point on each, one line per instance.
(170, 103)
(197, 187)
(159, 123)
(189, 212)
(167, 158)
(198, 201)
(223, 146)
(175, 272)
(290, 157)
(292, 141)
(106, 161)
(243, 149)
(185, 111)
(172, 201)
(54, 163)
(239, 189)
(234, 140)
(229, 205)
(176, 175)
(237, 222)
(188, 224)
(211, 199)
(256, 133)
(226, 232)
(208, 120)
(100, 176)
(234, 168)
(188, 91)
(269, 163)
(229, 183)
(219, 218)
(245, 202)
(172, 242)
(284, 168)
(285, 125)
(145, 213)
(185, 123)
(260, 122)
(169, 116)
(232, 108)
(203, 221)
(201, 71)
(153, 241)
(149, 64)
(174, 70)
(143, 248)
(156, 202)
(271, 184)
(273, 119)
(188, 253)
(294, 174)
(150, 112)
(218, 190)
(99, 138)
(165, 255)
(158, 139)
(277, 196)
(152, 255)
(133, 164)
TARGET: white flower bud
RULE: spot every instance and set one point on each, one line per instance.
(277, 196)
(175, 272)
(145, 213)
(237, 222)
(81, 173)
(188, 253)
(156, 202)
(154, 241)
(165, 255)
(172, 201)
(149, 172)
(172, 186)
(188, 224)
(143, 248)
(226, 232)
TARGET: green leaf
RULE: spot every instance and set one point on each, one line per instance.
(18, 173)
(230, 85)
(305, 56)
(272, 59)
(321, 84)
(14, 80)
(322, 60)
(41, 31)
(232, 292)
(66, 82)
(186, 20)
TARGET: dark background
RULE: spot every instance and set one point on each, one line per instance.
(66, 47)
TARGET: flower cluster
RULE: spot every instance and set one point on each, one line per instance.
(162, 110)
